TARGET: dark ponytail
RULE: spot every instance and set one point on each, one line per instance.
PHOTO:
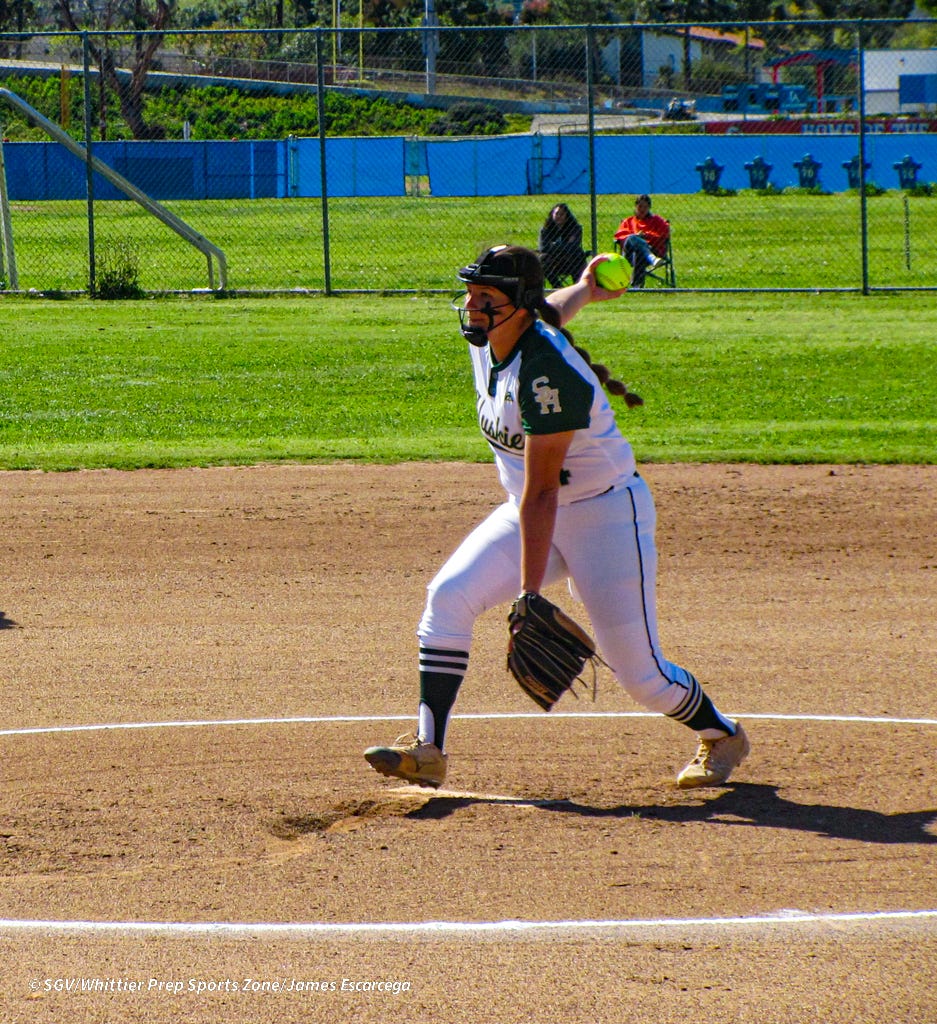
(548, 313)
(611, 385)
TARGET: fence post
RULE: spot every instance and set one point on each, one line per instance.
(320, 113)
(89, 166)
(7, 251)
(590, 99)
(907, 233)
(863, 203)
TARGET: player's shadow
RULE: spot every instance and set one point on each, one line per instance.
(745, 804)
(5, 622)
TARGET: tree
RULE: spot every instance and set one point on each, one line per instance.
(828, 35)
(689, 12)
(122, 15)
(15, 16)
(580, 12)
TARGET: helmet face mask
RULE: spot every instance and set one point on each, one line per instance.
(475, 333)
(511, 270)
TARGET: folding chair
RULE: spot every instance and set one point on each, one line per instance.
(664, 274)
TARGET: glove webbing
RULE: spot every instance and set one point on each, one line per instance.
(555, 664)
(548, 650)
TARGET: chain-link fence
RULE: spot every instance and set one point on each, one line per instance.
(381, 159)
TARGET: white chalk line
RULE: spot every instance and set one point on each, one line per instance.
(479, 716)
(410, 929)
(443, 928)
(424, 794)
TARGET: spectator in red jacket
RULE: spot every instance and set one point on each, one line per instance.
(643, 240)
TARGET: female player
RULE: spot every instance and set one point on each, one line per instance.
(576, 508)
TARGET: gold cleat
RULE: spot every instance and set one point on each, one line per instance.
(423, 764)
(715, 760)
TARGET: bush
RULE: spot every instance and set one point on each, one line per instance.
(469, 119)
(117, 272)
(797, 190)
(217, 112)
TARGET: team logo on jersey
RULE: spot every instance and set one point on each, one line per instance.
(547, 398)
(500, 435)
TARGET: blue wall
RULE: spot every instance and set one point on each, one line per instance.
(353, 167)
(478, 167)
(664, 163)
(657, 164)
(504, 165)
(164, 170)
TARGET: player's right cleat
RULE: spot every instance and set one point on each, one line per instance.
(715, 760)
(421, 763)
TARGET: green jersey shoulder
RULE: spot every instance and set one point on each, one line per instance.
(553, 396)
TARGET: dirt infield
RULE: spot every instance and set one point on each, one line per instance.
(211, 846)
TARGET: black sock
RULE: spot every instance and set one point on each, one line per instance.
(698, 712)
(441, 674)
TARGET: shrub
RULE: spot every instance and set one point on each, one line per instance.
(469, 119)
(117, 271)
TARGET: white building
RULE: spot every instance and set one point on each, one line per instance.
(657, 49)
(881, 73)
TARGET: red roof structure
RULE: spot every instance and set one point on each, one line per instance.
(712, 35)
(822, 60)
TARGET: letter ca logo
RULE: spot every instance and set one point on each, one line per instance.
(547, 397)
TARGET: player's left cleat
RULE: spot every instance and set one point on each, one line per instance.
(715, 760)
(410, 760)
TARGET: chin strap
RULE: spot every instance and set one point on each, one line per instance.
(478, 336)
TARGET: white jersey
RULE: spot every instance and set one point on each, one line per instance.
(545, 387)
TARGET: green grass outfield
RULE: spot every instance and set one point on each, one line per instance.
(172, 382)
(748, 240)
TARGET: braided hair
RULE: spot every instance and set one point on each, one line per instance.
(536, 302)
(611, 385)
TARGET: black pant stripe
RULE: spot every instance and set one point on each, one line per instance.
(647, 629)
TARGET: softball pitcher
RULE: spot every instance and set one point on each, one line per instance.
(576, 509)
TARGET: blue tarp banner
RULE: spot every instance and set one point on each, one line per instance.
(671, 164)
(496, 166)
(917, 89)
(562, 165)
(163, 170)
(353, 167)
(479, 167)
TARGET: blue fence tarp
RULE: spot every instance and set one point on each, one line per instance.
(496, 166)
(657, 164)
(163, 170)
(353, 167)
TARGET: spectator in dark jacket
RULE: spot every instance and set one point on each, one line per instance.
(560, 247)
